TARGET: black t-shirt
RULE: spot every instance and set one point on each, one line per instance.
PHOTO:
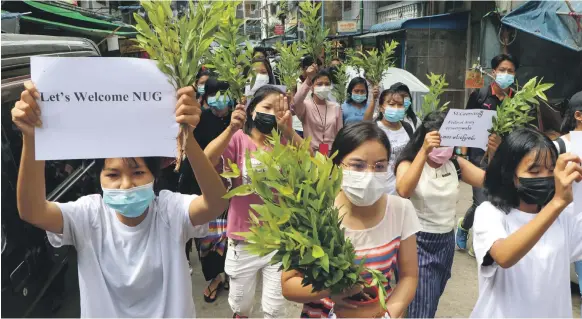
(490, 102)
(209, 128)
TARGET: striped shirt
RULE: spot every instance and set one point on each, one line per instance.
(379, 245)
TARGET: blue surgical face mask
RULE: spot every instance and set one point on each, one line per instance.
(393, 115)
(407, 103)
(220, 103)
(504, 80)
(359, 98)
(200, 89)
(131, 202)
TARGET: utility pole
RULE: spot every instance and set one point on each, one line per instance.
(361, 16)
(322, 15)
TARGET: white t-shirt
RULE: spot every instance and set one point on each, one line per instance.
(435, 198)
(409, 121)
(127, 271)
(539, 284)
(398, 140)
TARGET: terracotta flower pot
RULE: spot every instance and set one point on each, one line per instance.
(366, 309)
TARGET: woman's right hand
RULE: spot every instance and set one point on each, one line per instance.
(238, 118)
(431, 140)
(311, 71)
(339, 300)
(26, 113)
(567, 171)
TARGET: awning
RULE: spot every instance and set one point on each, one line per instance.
(376, 34)
(85, 31)
(449, 21)
(548, 20)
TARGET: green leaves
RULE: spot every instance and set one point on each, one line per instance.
(288, 66)
(516, 111)
(315, 37)
(431, 101)
(230, 59)
(342, 78)
(374, 63)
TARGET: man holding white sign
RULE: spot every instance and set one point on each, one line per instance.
(130, 239)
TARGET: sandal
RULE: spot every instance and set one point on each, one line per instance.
(208, 298)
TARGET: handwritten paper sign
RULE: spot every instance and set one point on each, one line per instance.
(468, 128)
(102, 108)
(576, 145)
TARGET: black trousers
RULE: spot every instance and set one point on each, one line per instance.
(479, 194)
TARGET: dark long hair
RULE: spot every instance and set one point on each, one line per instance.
(500, 175)
(201, 73)
(353, 135)
(355, 81)
(402, 89)
(432, 122)
(569, 121)
(267, 65)
(383, 97)
(261, 94)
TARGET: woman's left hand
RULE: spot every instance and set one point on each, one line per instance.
(188, 109)
(493, 143)
(376, 92)
(282, 114)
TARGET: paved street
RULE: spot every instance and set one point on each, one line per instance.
(457, 301)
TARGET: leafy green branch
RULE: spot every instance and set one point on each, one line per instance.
(230, 59)
(315, 36)
(288, 66)
(374, 63)
(298, 219)
(431, 101)
(177, 45)
(342, 78)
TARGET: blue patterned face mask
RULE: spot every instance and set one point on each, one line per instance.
(407, 103)
(220, 103)
(359, 98)
(200, 89)
(131, 202)
(393, 115)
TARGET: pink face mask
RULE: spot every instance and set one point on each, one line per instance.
(441, 155)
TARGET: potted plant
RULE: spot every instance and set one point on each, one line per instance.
(299, 221)
(178, 44)
(374, 63)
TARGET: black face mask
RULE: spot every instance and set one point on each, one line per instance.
(538, 190)
(265, 123)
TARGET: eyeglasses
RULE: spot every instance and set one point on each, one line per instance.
(379, 167)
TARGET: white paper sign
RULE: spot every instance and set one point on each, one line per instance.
(467, 128)
(576, 145)
(103, 108)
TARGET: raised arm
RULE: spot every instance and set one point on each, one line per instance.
(299, 107)
(408, 174)
(369, 113)
(470, 173)
(30, 189)
(210, 204)
(216, 148)
(507, 252)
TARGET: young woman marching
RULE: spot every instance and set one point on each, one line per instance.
(429, 175)
(267, 110)
(212, 248)
(321, 118)
(527, 234)
(357, 108)
(410, 117)
(390, 120)
(201, 79)
(129, 241)
(572, 122)
(381, 227)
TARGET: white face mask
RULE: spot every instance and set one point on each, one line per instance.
(364, 188)
(322, 92)
(261, 80)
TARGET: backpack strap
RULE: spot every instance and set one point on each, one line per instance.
(407, 128)
(482, 95)
(457, 166)
(561, 145)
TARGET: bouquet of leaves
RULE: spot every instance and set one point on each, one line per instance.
(341, 77)
(288, 66)
(315, 36)
(298, 219)
(374, 63)
(177, 44)
(432, 101)
(231, 59)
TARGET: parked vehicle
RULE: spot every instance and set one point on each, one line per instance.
(35, 276)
